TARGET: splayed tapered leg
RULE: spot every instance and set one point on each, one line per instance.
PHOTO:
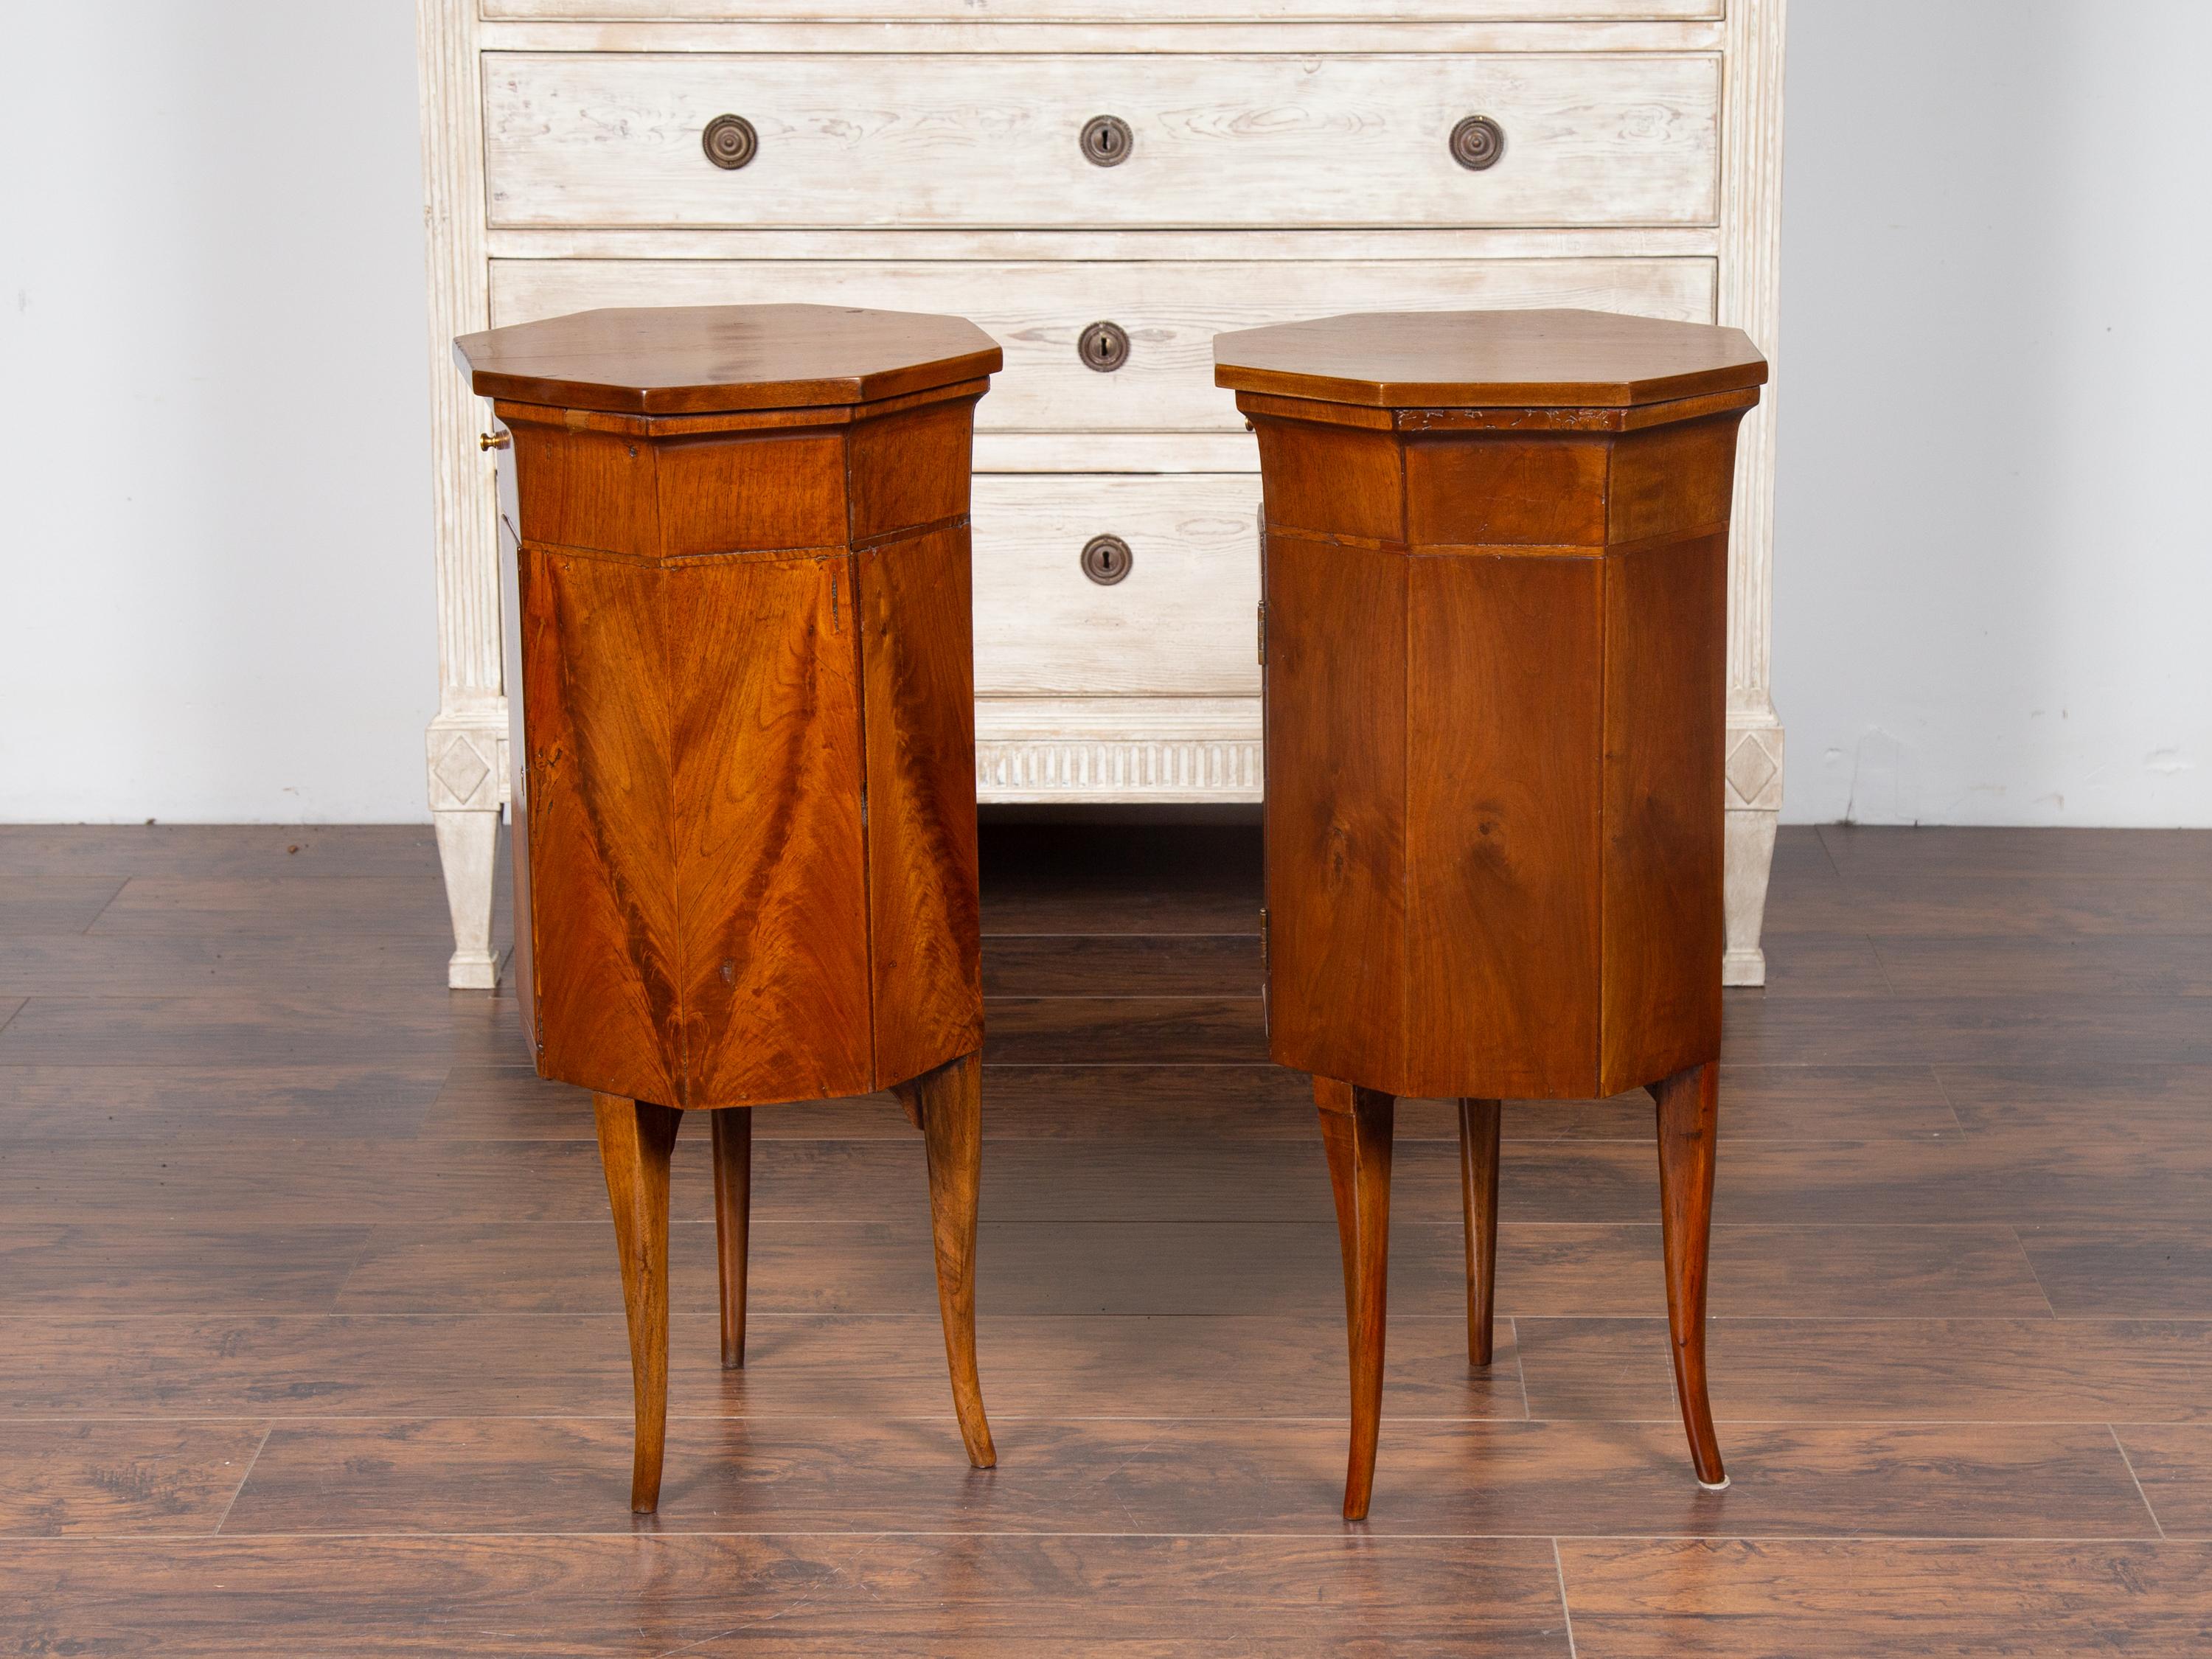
(1355, 1131)
(635, 1137)
(733, 1205)
(1479, 1121)
(1689, 1115)
(947, 1104)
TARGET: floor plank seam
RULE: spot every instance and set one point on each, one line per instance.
(221, 1520)
(1520, 1369)
(2036, 1279)
(1156, 1419)
(1566, 1609)
(1950, 1101)
(41, 1312)
(1345, 1531)
(2150, 1509)
(86, 931)
(360, 1255)
(1881, 965)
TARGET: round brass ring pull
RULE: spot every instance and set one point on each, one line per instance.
(1107, 141)
(1477, 142)
(730, 141)
(1104, 347)
(1106, 560)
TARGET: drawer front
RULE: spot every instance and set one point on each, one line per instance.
(1168, 310)
(1108, 11)
(1182, 622)
(856, 141)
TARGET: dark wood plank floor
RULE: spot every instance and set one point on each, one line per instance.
(314, 1344)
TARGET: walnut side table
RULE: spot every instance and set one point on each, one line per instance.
(744, 754)
(1494, 625)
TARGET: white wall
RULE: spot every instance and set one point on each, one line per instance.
(1993, 565)
(1993, 577)
(215, 596)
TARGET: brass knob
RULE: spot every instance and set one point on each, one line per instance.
(494, 440)
(1477, 142)
(1107, 141)
(1104, 347)
(730, 141)
(1106, 560)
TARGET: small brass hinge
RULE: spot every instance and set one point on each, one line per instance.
(1263, 634)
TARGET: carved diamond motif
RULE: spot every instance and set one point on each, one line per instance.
(1751, 769)
(462, 769)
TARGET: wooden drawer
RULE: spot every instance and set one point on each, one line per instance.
(1108, 11)
(1183, 623)
(1169, 310)
(854, 141)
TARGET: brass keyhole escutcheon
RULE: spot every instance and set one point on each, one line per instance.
(1106, 560)
(730, 142)
(1477, 142)
(1107, 141)
(1104, 347)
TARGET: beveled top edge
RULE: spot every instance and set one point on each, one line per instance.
(1556, 358)
(1417, 421)
(712, 360)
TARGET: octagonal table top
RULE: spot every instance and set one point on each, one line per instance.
(702, 360)
(1488, 359)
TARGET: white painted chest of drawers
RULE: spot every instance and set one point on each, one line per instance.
(1264, 160)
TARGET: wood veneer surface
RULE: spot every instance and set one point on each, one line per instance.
(691, 359)
(1478, 359)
